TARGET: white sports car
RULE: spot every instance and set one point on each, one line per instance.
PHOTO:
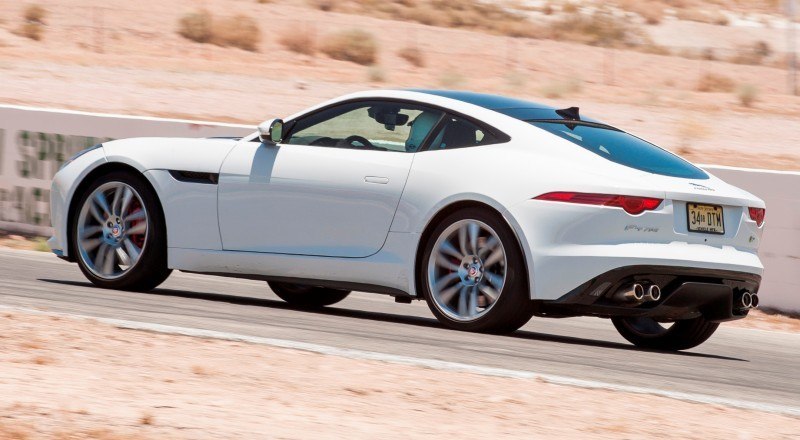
(492, 209)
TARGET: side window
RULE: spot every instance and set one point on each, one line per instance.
(371, 125)
(458, 132)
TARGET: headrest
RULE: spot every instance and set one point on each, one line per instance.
(389, 116)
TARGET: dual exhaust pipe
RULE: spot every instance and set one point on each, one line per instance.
(647, 292)
(638, 293)
(747, 301)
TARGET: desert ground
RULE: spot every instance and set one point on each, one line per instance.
(75, 378)
(128, 58)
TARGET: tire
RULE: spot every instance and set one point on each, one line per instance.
(481, 301)
(135, 224)
(648, 333)
(307, 297)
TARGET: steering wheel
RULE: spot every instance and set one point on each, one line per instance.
(349, 140)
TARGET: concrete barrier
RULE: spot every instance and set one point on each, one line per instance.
(780, 246)
(34, 142)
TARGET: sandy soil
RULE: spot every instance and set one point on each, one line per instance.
(65, 378)
(126, 58)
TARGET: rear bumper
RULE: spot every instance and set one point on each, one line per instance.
(686, 293)
(567, 245)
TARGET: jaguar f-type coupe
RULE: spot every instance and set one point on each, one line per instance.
(491, 209)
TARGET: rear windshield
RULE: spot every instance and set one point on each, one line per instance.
(623, 148)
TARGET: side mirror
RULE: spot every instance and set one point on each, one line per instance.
(270, 131)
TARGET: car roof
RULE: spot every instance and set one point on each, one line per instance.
(516, 108)
(485, 100)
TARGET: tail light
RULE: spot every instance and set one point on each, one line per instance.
(757, 215)
(631, 204)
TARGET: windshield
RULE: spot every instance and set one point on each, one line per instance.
(622, 148)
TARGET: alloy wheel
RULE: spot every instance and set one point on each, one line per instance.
(112, 230)
(467, 270)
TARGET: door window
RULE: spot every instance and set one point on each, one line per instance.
(370, 125)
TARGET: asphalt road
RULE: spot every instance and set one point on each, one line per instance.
(750, 365)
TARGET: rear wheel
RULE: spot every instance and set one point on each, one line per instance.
(649, 333)
(307, 296)
(473, 274)
(119, 236)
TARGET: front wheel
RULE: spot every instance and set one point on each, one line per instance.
(473, 274)
(119, 235)
(649, 333)
(308, 297)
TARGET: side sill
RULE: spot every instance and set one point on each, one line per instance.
(341, 285)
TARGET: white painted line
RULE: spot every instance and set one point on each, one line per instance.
(427, 363)
(749, 170)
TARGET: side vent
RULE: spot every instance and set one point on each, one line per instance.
(195, 177)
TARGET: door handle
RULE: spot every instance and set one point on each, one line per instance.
(376, 179)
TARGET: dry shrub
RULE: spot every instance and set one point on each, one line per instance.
(753, 54)
(146, 419)
(352, 45)
(747, 94)
(652, 48)
(413, 55)
(31, 345)
(238, 31)
(200, 370)
(196, 26)
(34, 14)
(651, 15)
(43, 360)
(516, 80)
(703, 16)
(451, 79)
(651, 12)
(323, 5)
(598, 29)
(15, 431)
(34, 31)
(569, 8)
(715, 83)
(691, 129)
(466, 14)
(376, 74)
(300, 42)
(561, 88)
(33, 26)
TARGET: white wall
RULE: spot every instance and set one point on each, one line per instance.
(34, 142)
(780, 246)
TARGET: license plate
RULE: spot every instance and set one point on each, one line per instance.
(705, 218)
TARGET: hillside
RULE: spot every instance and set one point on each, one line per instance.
(715, 91)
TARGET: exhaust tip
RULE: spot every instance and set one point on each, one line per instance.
(754, 300)
(638, 292)
(654, 292)
(747, 300)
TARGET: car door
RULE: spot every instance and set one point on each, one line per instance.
(330, 188)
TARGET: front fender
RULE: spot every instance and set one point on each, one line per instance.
(62, 190)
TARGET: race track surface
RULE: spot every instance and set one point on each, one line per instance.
(742, 364)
